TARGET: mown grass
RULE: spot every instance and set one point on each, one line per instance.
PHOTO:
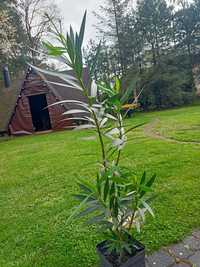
(38, 178)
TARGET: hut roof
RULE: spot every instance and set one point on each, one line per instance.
(67, 92)
(9, 96)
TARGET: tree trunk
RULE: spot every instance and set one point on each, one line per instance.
(154, 54)
(118, 38)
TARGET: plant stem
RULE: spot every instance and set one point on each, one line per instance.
(100, 139)
(132, 216)
(131, 222)
(118, 157)
(96, 121)
(120, 135)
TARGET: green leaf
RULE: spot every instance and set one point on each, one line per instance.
(112, 189)
(70, 48)
(111, 204)
(54, 50)
(72, 35)
(129, 92)
(143, 178)
(116, 101)
(79, 58)
(77, 209)
(100, 219)
(88, 211)
(118, 179)
(81, 197)
(151, 181)
(98, 184)
(137, 224)
(82, 29)
(128, 248)
(145, 189)
(148, 208)
(70, 80)
(116, 206)
(106, 189)
(84, 126)
(117, 85)
(105, 90)
(86, 186)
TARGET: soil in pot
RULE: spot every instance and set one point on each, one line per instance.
(111, 259)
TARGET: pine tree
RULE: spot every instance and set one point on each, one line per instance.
(188, 28)
(112, 19)
(154, 18)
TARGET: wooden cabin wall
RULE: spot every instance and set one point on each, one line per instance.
(21, 121)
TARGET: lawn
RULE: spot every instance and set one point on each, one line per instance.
(38, 178)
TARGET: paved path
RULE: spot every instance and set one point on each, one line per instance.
(184, 254)
(149, 130)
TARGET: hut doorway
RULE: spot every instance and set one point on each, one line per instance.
(39, 112)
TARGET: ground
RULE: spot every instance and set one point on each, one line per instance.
(38, 178)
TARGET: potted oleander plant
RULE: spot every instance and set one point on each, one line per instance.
(116, 199)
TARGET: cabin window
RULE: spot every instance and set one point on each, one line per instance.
(39, 112)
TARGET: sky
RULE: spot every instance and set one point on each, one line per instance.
(72, 12)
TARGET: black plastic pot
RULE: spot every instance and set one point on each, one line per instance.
(136, 260)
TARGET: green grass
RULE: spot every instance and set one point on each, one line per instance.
(38, 177)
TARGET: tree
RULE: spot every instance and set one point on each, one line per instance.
(114, 27)
(36, 23)
(107, 64)
(12, 37)
(154, 18)
(7, 34)
(188, 28)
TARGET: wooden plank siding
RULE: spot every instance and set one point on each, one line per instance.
(21, 121)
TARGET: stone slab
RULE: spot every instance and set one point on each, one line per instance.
(195, 259)
(192, 243)
(160, 259)
(181, 250)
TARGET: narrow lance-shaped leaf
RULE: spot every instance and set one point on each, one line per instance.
(75, 111)
(108, 91)
(71, 48)
(85, 105)
(151, 181)
(84, 126)
(54, 50)
(64, 85)
(78, 66)
(148, 208)
(87, 211)
(103, 122)
(72, 35)
(117, 85)
(54, 73)
(106, 189)
(78, 209)
(93, 89)
(71, 80)
(109, 116)
(98, 184)
(82, 29)
(75, 118)
(143, 178)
